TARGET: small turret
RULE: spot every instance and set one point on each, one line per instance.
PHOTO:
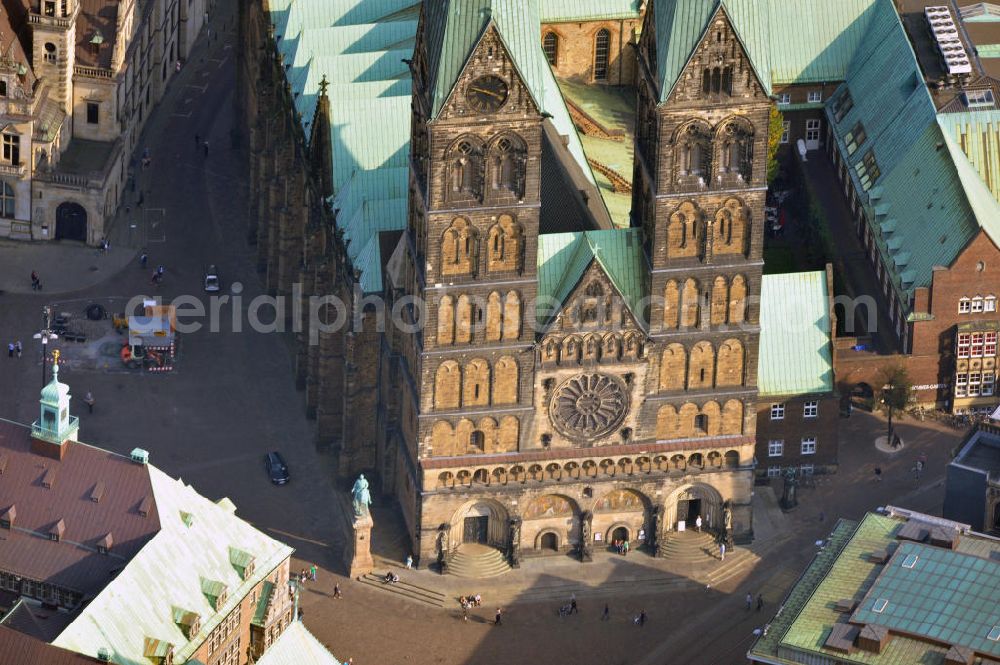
(55, 427)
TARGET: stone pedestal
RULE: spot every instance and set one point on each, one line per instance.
(359, 556)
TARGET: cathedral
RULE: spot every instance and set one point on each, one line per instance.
(552, 379)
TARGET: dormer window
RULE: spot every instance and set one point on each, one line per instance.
(855, 138)
(842, 106)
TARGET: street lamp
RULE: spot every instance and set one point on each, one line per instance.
(45, 334)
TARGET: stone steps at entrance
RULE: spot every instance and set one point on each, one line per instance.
(689, 546)
(406, 590)
(477, 561)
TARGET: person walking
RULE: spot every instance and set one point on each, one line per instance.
(760, 602)
(336, 591)
(36, 283)
(606, 614)
(642, 618)
(19, 348)
(878, 474)
(205, 146)
(312, 572)
(697, 524)
(722, 551)
(625, 548)
(572, 605)
(749, 600)
(409, 561)
(496, 621)
(10, 349)
(89, 400)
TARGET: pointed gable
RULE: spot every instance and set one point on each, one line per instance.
(563, 260)
(680, 25)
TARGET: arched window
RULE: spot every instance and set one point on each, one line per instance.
(716, 80)
(7, 201)
(51, 52)
(550, 45)
(507, 157)
(504, 245)
(737, 299)
(700, 366)
(505, 381)
(446, 320)
(494, 316)
(730, 363)
(672, 367)
(706, 80)
(689, 304)
(476, 383)
(602, 50)
(512, 316)
(466, 169)
(477, 443)
(459, 248)
(447, 384)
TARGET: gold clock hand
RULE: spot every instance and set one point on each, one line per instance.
(487, 92)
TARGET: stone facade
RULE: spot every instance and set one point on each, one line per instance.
(600, 423)
(77, 128)
(601, 52)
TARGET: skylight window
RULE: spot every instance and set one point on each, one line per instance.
(855, 138)
(977, 99)
(868, 171)
(843, 105)
(880, 605)
(994, 634)
(910, 561)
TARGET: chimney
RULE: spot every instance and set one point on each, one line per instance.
(105, 543)
(57, 530)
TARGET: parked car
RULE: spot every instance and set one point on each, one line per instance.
(277, 470)
(213, 282)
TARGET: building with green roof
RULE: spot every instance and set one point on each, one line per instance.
(896, 587)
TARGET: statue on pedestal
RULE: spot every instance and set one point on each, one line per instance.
(514, 553)
(586, 537)
(360, 496)
(657, 534)
(789, 500)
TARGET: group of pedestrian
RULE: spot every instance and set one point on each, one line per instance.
(157, 277)
(750, 603)
(14, 349)
(470, 601)
(307, 575)
(640, 618)
(621, 546)
(570, 607)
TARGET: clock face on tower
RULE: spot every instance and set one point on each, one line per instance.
(487, 94)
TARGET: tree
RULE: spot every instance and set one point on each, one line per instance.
(775, 128)
(895, 392)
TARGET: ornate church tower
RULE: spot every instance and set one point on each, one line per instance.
(474, 214)
(700, 185)
(53, 44)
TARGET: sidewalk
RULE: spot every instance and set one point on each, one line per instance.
(61, 267)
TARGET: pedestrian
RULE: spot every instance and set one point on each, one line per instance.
(409, 561)
(89, 400)
(760, 602)
(606, 614)
(336, 591)
(19, 348)
(160, 270)
(35, 282)
(642, 618)
(878, 474)
(10, 349)
(312, 572)
(143, 259)
(177, 66)
(465, 612)
(697, 524)
(205, 146)
(625, 548)
(496, 621)
(722, 551)
(572, 605)
(749, 601)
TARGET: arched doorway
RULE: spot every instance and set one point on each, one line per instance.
(690, 502)
(71, 222)
(549, 541)
(623, 514)
(552, 515)
(482, 522)
(618, 533)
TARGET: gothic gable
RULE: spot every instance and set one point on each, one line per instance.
(490, 85)
(594, 304)
(718, 69)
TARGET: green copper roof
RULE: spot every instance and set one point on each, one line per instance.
(260, 612)
(787, 41)
(795, 357)
(566, 11)
(183, 566)
(935, 603)
(563, 258)
(297, 646)
(923, 584)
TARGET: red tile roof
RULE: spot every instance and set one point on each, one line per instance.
(35, 620)
(73, 561)
(19, 649)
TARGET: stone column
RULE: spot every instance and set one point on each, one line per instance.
(359, 556)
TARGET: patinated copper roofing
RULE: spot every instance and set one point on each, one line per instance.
(73, 561)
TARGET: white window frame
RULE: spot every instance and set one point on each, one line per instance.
(978, 342)
(815, 96)
(963, 345)
(990, 304)
(808, 446)
(813, 128)
(778, 411)
(784, 98)
(786, 131)
(810, 409)
(977, 305)
(975, 384)
(989, 344)
(989, 384)
(775, 447)
(964, 305)
(774, 472)
(807, 469)
(961, 381)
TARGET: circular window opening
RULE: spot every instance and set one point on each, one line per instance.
(50, 47)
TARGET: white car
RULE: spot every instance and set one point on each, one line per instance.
(212, 281)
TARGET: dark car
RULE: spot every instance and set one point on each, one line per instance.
(276, 468)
